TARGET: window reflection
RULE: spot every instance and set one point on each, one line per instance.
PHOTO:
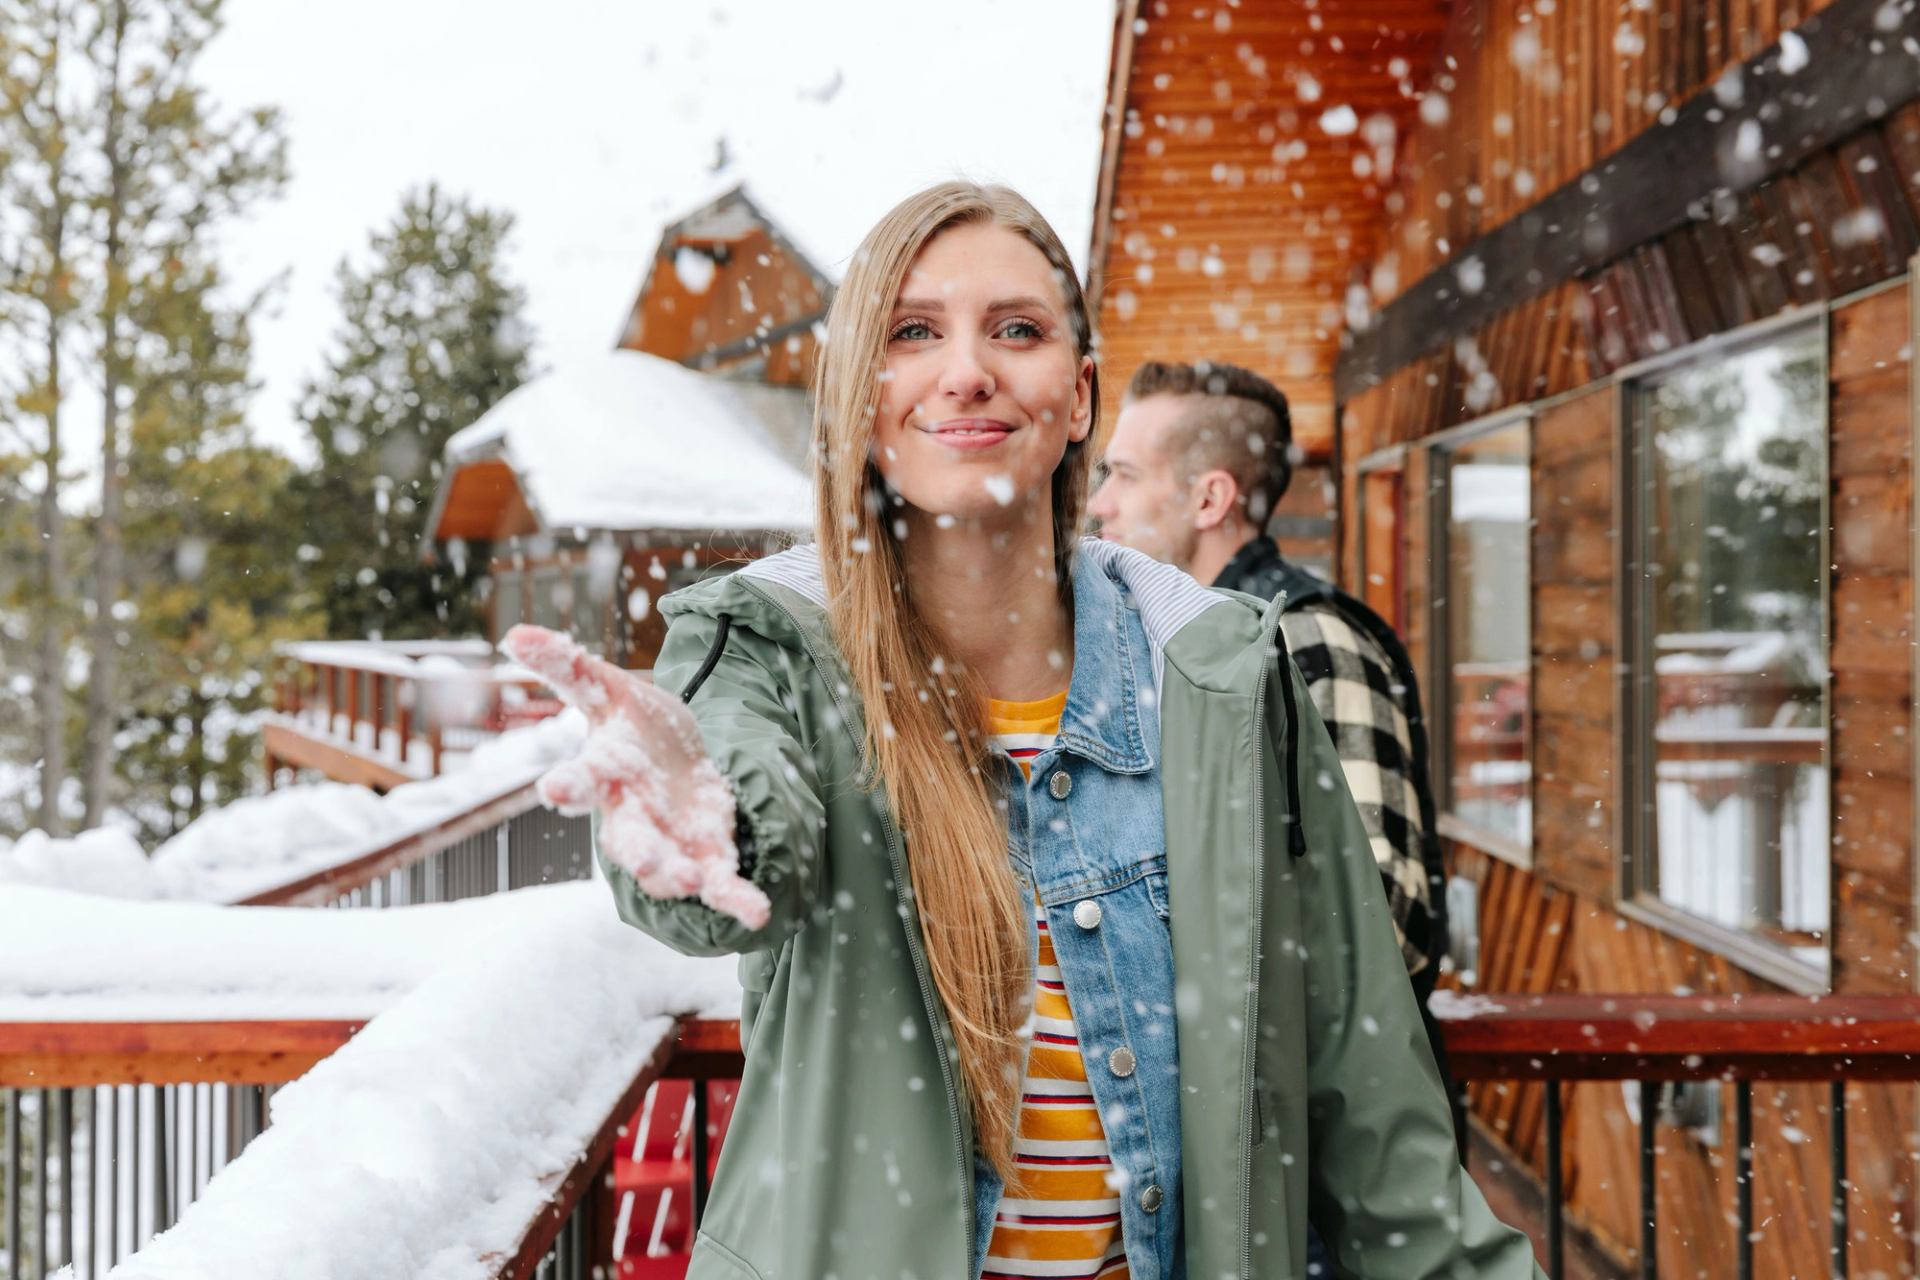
(1487, 634)
(1732, 602)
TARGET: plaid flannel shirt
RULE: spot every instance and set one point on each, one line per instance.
(1353, 687)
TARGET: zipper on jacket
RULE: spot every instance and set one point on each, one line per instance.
(1296, 823)
(929, 998)
(1250, 1110)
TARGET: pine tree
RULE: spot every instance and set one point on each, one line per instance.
(165, 171)
(212, 553)
(432, 338)
(40, 212)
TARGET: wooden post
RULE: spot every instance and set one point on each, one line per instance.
(332, 675)
(404, 713)
(379, 710)
(353, 703)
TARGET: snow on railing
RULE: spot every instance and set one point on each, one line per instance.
(281, 848)
(435, 1140)
(141, 1043)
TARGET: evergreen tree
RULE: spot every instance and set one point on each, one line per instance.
(40, 213)
(212, 551)
(164, 170)
(432, 338)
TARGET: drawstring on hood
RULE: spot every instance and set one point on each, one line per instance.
(712, 659)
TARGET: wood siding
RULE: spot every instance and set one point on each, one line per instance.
(1236, 218)
(757, 311)
(1532, 96)
(1872, 644)
(1556, 927)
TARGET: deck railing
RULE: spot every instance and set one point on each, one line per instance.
(1560, 1039)
(395, 709)
(177, 1102)
(112, 1129)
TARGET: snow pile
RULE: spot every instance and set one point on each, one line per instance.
(425, 1146)
(106, 861)
(259, 843)
(626, 440)
(256, 844)
(71, 957)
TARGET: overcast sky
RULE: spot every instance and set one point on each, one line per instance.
(596, 124)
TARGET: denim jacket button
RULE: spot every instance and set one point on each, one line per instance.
(1120, 1062)
(1060, 784)
(1087, 914)
(1150, 1198)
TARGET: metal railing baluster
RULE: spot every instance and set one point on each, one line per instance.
(1743, 1176)
(1556, 1243)
(1837, 1125)
(1649, 1188)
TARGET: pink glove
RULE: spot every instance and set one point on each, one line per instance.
(667, 813)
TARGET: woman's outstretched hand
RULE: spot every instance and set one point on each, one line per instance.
(666, 812)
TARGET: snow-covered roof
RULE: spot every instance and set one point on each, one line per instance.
(624, 440)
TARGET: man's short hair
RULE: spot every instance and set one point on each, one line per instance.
(1243, 428)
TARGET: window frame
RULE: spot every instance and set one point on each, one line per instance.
(1637, 895)
(1390, 462)
(1438, 675)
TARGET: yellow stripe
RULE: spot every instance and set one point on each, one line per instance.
(1050, 1244)
(1042, 716)
(1061, 1124)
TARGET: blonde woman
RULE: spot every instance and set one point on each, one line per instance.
(1063, 949)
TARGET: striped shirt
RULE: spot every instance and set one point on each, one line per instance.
(1067, 1221)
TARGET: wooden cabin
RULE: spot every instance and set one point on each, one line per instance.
(729, 291)
(592, 491)
(643, 469)
(1598, 316)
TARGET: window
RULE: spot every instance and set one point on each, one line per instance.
(1482, 637)
(1726, 611)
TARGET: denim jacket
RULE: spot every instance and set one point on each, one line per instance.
(1087, 833)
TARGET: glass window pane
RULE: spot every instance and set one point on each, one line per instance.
(1734, 594)
(1488, 642)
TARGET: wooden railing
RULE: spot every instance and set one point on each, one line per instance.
(1559, 1039)
(148, 1112)
(375, 712)
(87, 1072)
(582, 1205)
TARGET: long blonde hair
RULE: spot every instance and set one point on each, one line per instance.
(925, 716)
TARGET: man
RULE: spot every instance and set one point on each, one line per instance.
(1197, 461)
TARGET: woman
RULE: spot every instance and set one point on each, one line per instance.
(1062, 944)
